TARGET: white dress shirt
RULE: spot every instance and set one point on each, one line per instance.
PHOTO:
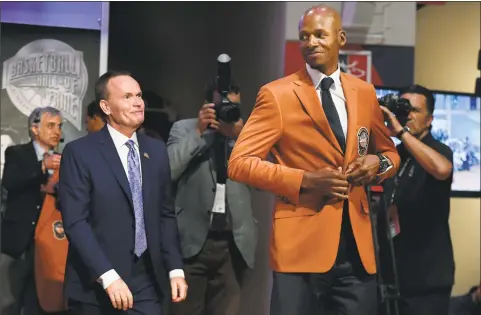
(337, 93)
(120, 141)
(40, 151)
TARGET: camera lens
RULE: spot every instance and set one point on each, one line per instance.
(231, 113)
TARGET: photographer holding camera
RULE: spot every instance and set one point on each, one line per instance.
(421, 202)
(217, 229)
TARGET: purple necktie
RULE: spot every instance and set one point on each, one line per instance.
(136, 189)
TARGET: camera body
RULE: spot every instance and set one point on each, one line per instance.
(400, 107)
(225, 110)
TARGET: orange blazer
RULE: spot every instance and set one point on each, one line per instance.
(51, 247)
(289, 122)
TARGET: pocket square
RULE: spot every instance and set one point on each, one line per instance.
(146, 155)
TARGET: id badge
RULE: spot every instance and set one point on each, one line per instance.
(219, 199)
(394, 226)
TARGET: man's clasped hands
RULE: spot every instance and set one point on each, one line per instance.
(329, 185)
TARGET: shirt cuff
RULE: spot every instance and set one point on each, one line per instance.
(176, 273)
(108, 278)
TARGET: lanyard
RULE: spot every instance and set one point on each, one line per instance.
(397, 178)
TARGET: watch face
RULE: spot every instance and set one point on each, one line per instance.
(384, 165)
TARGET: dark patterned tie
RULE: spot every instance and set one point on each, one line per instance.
(136, 189)
(331, 111)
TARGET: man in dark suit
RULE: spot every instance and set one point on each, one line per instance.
(118, 217)
(27, 169)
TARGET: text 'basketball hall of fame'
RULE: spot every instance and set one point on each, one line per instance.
(47, 72)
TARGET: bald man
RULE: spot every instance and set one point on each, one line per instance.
(327, 135)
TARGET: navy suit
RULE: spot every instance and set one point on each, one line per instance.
(96, 205)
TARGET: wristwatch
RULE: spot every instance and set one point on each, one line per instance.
(400, 133)
(384, 164)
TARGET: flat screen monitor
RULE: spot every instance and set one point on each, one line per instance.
(456, 123)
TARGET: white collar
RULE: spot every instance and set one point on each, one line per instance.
(120, 139)
(40, 151)
(317, 76)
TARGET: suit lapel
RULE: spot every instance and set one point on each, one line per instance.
(350, 92)
(146, 168)
(111, 156)
(32, 154)
(307, 95)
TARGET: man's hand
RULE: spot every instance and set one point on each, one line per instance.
(231, 130)
(52, 162)
(49, 188)
(392, 123)
(120, 295)
(179, 289)
(326, 183)
(207, 118)
(363, 170)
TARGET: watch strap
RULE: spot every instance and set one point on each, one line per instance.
(400, 133)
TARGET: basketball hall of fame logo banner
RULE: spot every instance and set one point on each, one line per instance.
(47, 72)
(46, 66)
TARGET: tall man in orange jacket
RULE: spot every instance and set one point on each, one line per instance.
(327, 134)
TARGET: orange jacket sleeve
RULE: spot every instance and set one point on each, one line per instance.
(381, 141)
(247, 163)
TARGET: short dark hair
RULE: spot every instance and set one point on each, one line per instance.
(211, 86)
(421, 90)
(101, 92)
(94, 109)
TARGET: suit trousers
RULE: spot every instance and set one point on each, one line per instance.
(18, 293)
(144, 290)
(214, 277)
(346, 289)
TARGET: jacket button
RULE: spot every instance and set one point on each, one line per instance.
(38, 207)
(33, 222)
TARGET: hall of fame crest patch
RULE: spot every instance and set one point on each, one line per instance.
(47, 72)
(58, 232)
(362, 141)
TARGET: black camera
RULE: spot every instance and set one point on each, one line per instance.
(225, 110)
(399, 106)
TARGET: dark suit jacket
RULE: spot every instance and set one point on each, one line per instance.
(96, 205)
(22, 178)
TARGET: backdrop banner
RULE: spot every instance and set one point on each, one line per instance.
(46, 66)
(356, 62)
(380, 65)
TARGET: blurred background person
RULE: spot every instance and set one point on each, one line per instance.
(214, 214)
(468, 304)
(421, 202)
(5, 142)
(27, 168)
(95, 119)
